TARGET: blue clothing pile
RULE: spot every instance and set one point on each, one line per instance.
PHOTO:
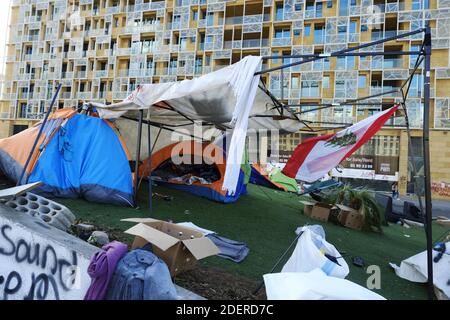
(141, 275)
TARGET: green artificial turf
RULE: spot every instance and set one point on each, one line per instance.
(265, 220)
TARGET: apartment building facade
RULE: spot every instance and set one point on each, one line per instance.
(100, 50)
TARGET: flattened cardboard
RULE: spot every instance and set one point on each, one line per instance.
(19, 190)
(307, 207)
(179, 247)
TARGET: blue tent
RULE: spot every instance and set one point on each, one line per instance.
(80, 156)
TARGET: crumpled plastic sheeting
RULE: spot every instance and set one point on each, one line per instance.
(415, 269)
(314, 285)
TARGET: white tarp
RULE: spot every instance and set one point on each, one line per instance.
(314, 285)
(415, 269)
(309, 254)
(228, 98)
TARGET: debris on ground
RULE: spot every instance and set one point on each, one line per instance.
(98, 238)
(217, 284)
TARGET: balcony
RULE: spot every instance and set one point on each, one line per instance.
(84, 95)
(378, 35)
(101, 74)
(120, 95)
(378, 90)
(123, 51)
(281, 42)
(67, 75)
(24, 95)
(33, 37)
(254, 43)
(395, 63)
(234, 20)
(113, 10)
(313, 14)
(66, 95)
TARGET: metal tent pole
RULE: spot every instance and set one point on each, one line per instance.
(150, 150)
(138, 156)
(426, 159)
(44, 122)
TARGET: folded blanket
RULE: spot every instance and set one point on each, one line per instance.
(230, 249)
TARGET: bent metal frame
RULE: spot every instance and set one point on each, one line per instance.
(285, 112)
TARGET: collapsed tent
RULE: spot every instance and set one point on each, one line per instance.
(192, 167)
(77, 156)
(274, 179)
(228, 99)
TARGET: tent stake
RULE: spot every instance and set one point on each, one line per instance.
(278, 261)
(138, 156)
(44, 122)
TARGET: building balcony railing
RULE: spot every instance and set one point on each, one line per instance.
(281, 42)
(25, 95)
(395, 63)
(66, 95)
(379, 90)
(101, 73)
(67, 75)
(378, 35)
(84, 95)
(313, 14)
(120, 95)
(113, 10)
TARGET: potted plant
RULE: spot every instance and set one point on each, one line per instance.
(362, 201)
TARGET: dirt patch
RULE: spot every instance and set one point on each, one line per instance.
(216, 284)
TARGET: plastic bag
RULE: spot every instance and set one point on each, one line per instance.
(313, 251)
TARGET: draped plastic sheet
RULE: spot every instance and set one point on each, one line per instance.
(227, 98)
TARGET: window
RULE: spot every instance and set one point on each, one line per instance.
(326, 82)
(343, 7)
(362, 81)
(298, 7)
(420, 4)
(319, 32)
(352, 26)
(364, 28)
(330, 4)
(307, 32)
(279, 13)
(297, 32)
(310, 88)
(295, 82)
(319, 7)
(195, 15)
(282, 33)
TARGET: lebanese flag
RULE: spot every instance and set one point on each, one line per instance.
(313, 158)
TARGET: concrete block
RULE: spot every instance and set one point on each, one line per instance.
(47, 210)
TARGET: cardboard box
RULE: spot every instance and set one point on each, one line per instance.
(307, 207)
(179, 247)
(321, 211)
(349, 217)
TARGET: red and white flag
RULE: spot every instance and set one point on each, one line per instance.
(316, 156)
